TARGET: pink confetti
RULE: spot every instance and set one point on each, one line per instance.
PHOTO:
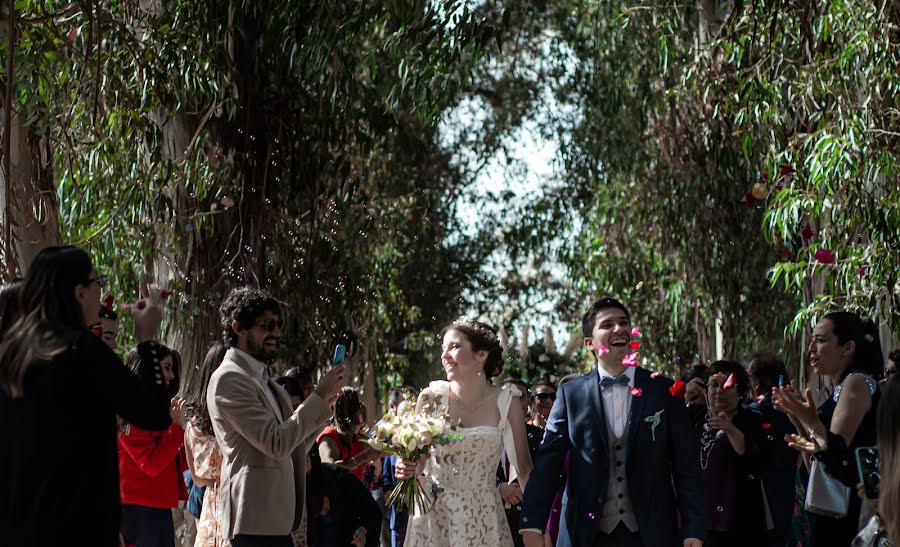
(767, 426)
(630, 360)
(635, 331)
(730, 382)
(635, 345)
(637, 392)
(601, 349)
(655, 375)
(825, 256)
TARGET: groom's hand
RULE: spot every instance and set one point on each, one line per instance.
(532, 539)
(692, 542)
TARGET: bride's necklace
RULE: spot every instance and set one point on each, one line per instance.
(463, 407)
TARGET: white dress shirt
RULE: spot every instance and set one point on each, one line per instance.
(262, 376)
(617, 400)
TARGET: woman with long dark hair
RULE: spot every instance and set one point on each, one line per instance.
(203, 455)
(61, 389)
(845, 348)
(151, 463)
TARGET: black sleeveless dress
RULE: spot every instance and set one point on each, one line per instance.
(840, 464)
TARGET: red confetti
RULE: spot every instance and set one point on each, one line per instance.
(635, 331)
(635, 345)
(825, 256)
(109, 302)
(655, 375)
(630, 360)
(730, 382)
(807, 233)
(97, 331)
(786, 250)
(637, 392)
(678, 389)
(767, 426)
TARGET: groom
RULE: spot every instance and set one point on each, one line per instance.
(634, 463)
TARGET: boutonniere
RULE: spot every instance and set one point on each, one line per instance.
(654, 423)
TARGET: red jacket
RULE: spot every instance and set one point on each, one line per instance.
(151, 464)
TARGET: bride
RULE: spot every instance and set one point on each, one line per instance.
(461, 476)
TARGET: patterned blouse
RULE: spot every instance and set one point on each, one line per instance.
(207, 466)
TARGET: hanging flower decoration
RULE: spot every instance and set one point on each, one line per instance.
(109, 302)
(825, 256)
(807, 233)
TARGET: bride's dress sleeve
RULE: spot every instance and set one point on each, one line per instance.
(507, 394)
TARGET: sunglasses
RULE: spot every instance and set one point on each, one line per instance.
(272, 324)
(544, 397)
(100, 280)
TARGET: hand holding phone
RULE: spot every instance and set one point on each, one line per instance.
(867, 464)
(340, 353)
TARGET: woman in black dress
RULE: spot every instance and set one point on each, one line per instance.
(60, 390)
(845, 348)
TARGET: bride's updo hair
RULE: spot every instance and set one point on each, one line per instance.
(483, 337)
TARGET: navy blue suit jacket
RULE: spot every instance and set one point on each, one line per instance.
(663, 475)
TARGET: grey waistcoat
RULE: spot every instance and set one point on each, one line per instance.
(617, 505)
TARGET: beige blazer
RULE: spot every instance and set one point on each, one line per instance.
(263, 482)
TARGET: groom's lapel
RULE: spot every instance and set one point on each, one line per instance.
(593, 387)
(641, 382)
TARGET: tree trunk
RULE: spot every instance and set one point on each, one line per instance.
(32, 211)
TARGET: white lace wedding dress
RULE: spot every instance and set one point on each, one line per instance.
(461, 478)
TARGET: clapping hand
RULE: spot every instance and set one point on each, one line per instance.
(359, 537)
(787, 400)
(801, 444)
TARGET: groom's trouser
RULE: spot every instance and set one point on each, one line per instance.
(621, 536)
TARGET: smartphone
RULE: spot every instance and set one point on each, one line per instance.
(340, 352)
(867, 463)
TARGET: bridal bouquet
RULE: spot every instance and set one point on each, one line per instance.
(408, 434)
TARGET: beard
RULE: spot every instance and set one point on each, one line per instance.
(259, 350)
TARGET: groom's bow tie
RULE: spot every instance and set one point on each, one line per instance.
(607, 381)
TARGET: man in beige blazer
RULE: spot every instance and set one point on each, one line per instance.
(263, 440)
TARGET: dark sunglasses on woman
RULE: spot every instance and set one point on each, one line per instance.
(544, 397)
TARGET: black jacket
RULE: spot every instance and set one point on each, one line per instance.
(59, 473)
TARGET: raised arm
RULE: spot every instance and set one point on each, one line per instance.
(235, 400)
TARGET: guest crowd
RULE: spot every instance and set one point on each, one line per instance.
(158, 452)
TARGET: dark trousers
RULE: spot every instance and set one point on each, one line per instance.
(621, 536)
(242, 540)
(148, 526)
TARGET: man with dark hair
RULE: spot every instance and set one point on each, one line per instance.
(778, 461)
(634, 464)
(263, 440)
